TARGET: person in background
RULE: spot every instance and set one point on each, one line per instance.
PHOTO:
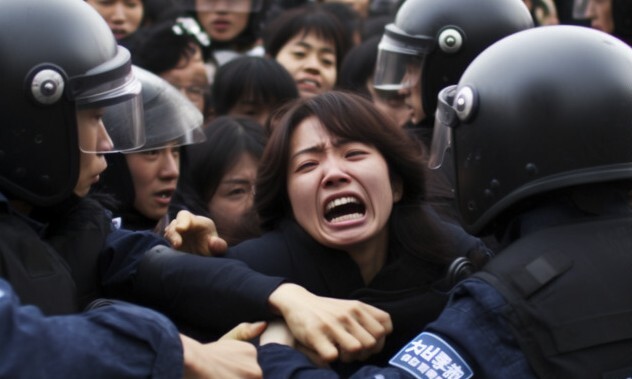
(219, 177)
(172, 49)
(610, 16)
(361, 7)
(544, 12)
(141, 183)
(356, 74)
(124, 17)
(253, 87)
(311, 44)
(233, 27)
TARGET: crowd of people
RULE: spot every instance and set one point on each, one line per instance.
(316, 189)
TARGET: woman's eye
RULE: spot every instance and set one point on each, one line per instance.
(298, 54)
(305, 166)
(355, 153)
(236, 192)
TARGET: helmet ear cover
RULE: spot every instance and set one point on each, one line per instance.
(47, 83)
(450, 39)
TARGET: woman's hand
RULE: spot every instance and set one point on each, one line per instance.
(333, 328)
(194, 234)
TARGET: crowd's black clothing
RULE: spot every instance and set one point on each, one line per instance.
(404, 287)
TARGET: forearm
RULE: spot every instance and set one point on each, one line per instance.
(206, 292)
(120, 340)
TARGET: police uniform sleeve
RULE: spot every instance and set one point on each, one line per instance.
(115, 341)
(204, 292)
(280, 361)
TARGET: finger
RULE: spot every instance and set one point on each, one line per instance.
(183, 221)
(371, 313)
(217, 245)
(174, 238)
(325, 348)
(244, 331)
(376, 328)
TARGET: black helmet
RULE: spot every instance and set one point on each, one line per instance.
(58, 56)
(440, 38)
(543, 109)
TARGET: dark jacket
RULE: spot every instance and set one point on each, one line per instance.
(404, 287)
(119, 340)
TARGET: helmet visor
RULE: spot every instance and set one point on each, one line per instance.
(395, 71)
(234, 6)
(124, 100)
(400, 59)
(445, 120)
(171, 119)
(111, 87)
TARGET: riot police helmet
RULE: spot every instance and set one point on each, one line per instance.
(58, 57)
(542, 110)
(433, 41)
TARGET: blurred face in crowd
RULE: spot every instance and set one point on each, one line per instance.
(233, 199)
(411, 91)
(155, 176)
(341, 192)
(223, 20)
(599, 12)
(390, 103)
(123, 16)
(360, 6)
(311, 61)
(92, 137)
(190, 77)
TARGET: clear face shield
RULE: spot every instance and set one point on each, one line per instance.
(170, 118)
(452, 108)
(398, 65)
(232, 6)
(395, 71)
(113, 89)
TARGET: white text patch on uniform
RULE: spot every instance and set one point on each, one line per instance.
(428, 356)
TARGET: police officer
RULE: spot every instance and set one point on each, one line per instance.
(542, 156)
(142, 182)
(427, 48)
(59, 79)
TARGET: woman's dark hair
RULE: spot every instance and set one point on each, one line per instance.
(354, 118)
(227, 137)
(260, 80)
(159, 49)
(304, 20)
